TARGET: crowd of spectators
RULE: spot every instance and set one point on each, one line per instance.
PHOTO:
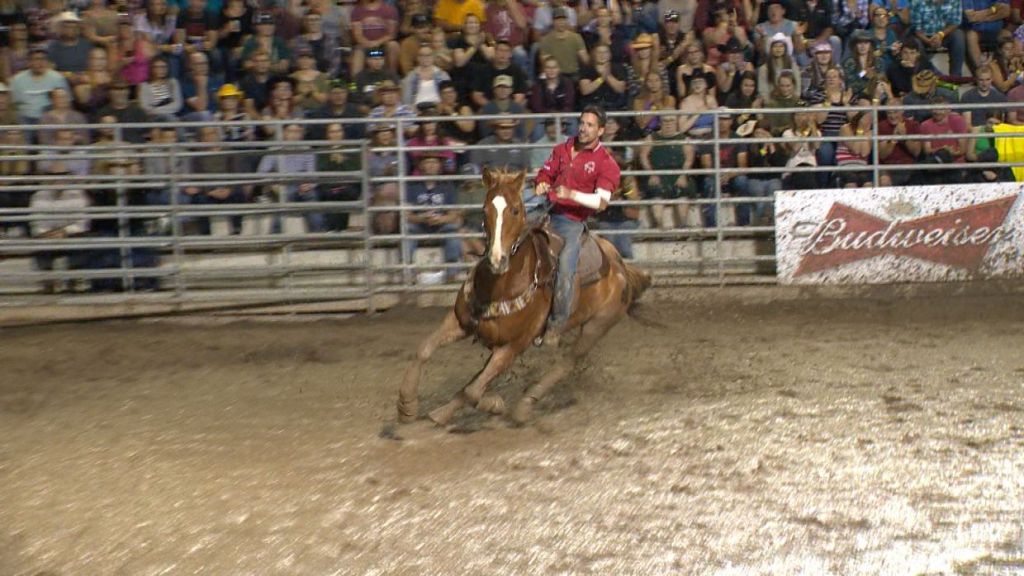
(676, 64)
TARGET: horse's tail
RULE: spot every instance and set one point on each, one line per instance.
(637, 282)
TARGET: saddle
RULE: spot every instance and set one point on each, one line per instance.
(592, 265)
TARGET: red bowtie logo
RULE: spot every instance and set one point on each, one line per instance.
(960, 238)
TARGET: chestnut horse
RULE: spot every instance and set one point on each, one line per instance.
(505, 303)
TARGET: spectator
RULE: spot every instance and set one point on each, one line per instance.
(99, 24)
(14, 57)
(483, 89)
(746, 97)
(125, 111)
(813, 75)
(885, 43)
(315, 41)
(506, 21)
(983, 93)
(936, 23)
(382, 163)
(15, 145)
(925, 88)
(780, 57)
(423, 84)
(947, 146)
(256, 84)
(214, 160)
(391, 107)
(898, 151)
(549, 137)
(602, 30)
(451, 14)
(641, 64)
(8, 113)
(290, 161)
(911, 62)
(197, 30)
(266, 41)
(732, 161)
(1004, 74)
(849, 16)
(311, 85)
(61, 113)
(40, 19)
(618, 218)
(229, 109)
(814, 23)
(156, 26)
(443, 56)
(199, 90)
(831, 120)
(762, 184)
(236, 27)
(428, 136)
(161, 95)
(501, 103)
(163, 164)
(727, 30)
(338, 107)
(801, 152)
(431, 195)
(339, 189)
(697, 102)
(652, 98)
(69, 52)
(861, 65)
(563, 44)
(371, 77)
(374, 25)
(855, 153)
(91, 90)
(332, 31)
(984, 21)
(472, 193)
(694, 66)
(409, 47)
(281, 107)
(544, 17)
(31, 87)
(664, 151)
(603, 82)
(672, 44)
(783, 95)
(131, 55)
(731, 70)
(65, 224)
(471, 52)
(461, 129)
(553, 93)
(513, 158)
(640, 16)
(777, 23)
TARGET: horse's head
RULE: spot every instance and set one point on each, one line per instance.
(504, 216)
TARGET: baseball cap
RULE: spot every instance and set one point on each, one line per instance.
(420, 20)
(503, 80)
(264, 18)
(560, 12)
(375, 52)
(672, 16)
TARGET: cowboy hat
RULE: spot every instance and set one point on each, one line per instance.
(785, 39)
(924, 81)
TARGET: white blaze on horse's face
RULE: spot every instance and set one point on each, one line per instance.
(500, 204)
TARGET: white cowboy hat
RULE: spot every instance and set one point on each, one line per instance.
(747, 128)
(785, 39)
(67, 16)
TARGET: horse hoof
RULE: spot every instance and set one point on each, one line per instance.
(492, 404)
(441, 416)
(408, 411)
(523, 411)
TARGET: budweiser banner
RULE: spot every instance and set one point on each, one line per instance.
(900, 234)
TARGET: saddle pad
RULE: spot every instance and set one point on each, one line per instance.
(591, 264)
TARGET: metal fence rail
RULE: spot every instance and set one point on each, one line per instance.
(157, 248)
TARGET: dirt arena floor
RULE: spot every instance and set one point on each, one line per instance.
(751, 435)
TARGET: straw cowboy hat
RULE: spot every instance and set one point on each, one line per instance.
(229, 91)
(643, 41)
(925, 81)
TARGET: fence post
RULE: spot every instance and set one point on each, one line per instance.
(364, 155)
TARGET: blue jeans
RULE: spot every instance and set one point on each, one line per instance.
(736, 187)
(452, 246)
(763, 189)
(956, 43)
(622, 242)
(565, 277)
(314, 220)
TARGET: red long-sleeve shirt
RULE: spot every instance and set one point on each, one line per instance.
(592, 168)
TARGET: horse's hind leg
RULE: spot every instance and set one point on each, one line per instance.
(592, 333)
(473, 393)
(408, 395)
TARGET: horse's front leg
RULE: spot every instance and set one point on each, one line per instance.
(473, 393)
(408, 395)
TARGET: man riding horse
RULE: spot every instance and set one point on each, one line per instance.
(576, 181)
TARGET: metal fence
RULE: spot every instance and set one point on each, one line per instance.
(129, 228)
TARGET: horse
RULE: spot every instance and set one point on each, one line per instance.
(505, 301)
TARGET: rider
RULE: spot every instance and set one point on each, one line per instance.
(577, 180)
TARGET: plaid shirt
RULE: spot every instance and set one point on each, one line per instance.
(845, 17)
(930, 16)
